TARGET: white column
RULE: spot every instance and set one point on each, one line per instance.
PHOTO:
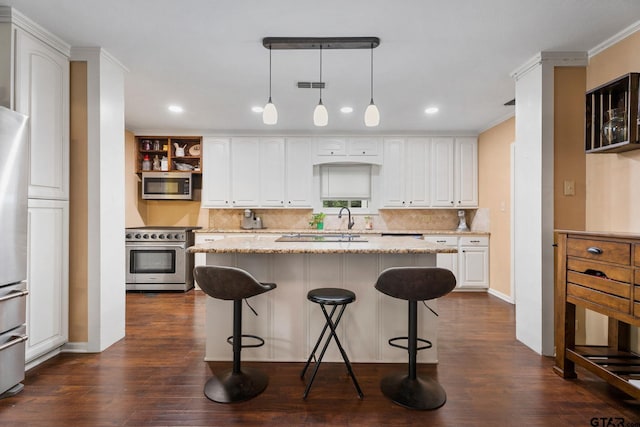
(533, 207)
(105, 180)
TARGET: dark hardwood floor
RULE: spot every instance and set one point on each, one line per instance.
(155, 377)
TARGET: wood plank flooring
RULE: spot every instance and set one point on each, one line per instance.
(155, 377)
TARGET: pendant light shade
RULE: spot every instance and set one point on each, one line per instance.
(320, 114)
(371, 114)
(270, 113)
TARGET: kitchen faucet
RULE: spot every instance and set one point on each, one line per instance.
(350, 223)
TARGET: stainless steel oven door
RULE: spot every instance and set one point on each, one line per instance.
(156, 263)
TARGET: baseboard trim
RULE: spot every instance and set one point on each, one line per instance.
(502, 296)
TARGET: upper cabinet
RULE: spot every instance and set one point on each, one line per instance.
(353, 150)
(257, 172)
(442, 167)
(405, 172)
(169, 153)
(466, 172)
(42, 93)
(611, 123)
(216, 178)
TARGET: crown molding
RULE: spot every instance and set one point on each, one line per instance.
(558, 59)
(614, 39)
(12, 16)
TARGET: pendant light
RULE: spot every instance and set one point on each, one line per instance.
(320, 114)
(270, 114)
(371, 114)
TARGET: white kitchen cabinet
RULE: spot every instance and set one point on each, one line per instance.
(47, 276)
(466, 172)
(473, 262)
(272, 172)
(406, 172)
(455, 172)
(245, 172)
(299, 173)
(448, 261)
(442, 166)
(356, 149)
(42, 93)
(216, 185)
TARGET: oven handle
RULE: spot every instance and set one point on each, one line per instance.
(17, 339)
(14, 294)
(156, 245)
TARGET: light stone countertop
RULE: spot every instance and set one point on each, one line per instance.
(359, 231)
(266, 244)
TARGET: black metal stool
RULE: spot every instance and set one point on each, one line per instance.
(230, 283)
(334, 297)
(414, 284)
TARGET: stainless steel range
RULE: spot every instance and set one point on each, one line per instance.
(157, 258)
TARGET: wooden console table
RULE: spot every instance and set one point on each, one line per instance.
(600, 272)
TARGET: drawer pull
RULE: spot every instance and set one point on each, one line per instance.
(12, 295)
(17, 339)
(594, 250)
(475, 241)
(596, 273)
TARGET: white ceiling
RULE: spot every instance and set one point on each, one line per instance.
(207, 56)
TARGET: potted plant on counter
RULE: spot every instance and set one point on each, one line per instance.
(317, 221)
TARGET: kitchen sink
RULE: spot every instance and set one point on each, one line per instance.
(336, 237)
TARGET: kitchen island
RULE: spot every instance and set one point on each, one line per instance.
(290, 324)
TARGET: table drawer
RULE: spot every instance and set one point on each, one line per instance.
(619, 289)
(622, 305)
(601, 269)
(615, 252)
(636, 255)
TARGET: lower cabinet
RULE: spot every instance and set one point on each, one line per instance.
(47, 277)
(470, 265)
(473, 256)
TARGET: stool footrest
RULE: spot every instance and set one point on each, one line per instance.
(259, 344)
(427, 343)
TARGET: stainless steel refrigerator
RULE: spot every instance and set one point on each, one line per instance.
(13, 249)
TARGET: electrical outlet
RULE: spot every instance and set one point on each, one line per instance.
(569, 188)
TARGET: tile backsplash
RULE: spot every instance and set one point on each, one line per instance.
(386, 219)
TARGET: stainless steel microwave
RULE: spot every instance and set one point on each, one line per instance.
(167, 185)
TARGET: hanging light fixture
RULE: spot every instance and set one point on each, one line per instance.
(320, 114)
(270, 114)
(371, 114)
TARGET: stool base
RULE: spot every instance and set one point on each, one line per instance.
(229, 387)
(416, 393)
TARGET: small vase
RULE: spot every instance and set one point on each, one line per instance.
(320, 226)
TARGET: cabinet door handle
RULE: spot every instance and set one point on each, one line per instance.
(364, 152)
(441, 241)
(452, 202)
(475, 241)
(594, 250)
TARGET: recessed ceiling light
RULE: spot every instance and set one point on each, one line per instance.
(346, 110)
(175, 109)
(257, 109)
(432, 110)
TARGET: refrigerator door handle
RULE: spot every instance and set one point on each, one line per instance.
(14, 294)
(17, 339)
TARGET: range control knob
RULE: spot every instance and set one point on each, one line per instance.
(160, 236)
(137, 236)
(145, 236)
(168, 236)
(178, 236)
(153, 236)
(127, 236)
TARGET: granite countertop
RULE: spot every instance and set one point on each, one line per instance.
(354, 231)
(266, 244)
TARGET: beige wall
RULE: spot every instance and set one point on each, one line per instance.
(78, 213)
(135, 208)
(612, 193)
(494, 194)
(569, 155)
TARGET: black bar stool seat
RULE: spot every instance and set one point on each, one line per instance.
(230, 283)
(414, 284)
(335, 297)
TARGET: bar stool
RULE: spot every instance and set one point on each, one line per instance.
(414, 284)
(334, 297)
(230, 283)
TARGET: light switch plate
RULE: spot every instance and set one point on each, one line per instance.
(569, 188)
